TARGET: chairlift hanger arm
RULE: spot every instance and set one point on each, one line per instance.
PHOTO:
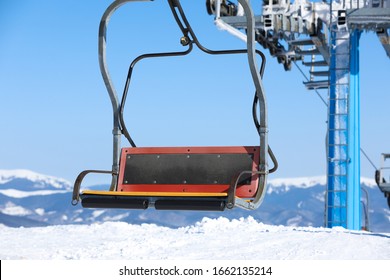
(110, 87)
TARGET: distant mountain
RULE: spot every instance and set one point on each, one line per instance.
(27, 180)
(31, 199)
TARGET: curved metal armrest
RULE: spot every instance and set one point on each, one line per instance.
(80, 178)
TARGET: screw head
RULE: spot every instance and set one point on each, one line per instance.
(184, 40)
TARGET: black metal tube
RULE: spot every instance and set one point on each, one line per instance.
(127, 84)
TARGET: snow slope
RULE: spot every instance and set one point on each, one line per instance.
(237, 239)
(31, 200)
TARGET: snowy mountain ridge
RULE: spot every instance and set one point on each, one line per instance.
(307, 182)
(27, 199)
(40, 181)
(23, 194)
(279, 185)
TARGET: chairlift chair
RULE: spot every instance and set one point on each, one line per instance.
(182, 178)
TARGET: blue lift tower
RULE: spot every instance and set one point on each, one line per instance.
(324, 36)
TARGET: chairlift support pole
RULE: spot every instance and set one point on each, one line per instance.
(354, 190)
(343, 145)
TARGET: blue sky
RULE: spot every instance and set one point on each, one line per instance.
(56, 118)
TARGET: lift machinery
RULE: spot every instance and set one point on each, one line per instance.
(381, 174)
(324, 36)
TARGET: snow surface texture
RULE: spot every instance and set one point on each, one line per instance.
(216, 239)
(28, 200)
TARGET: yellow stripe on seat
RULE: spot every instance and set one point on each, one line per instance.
(153, 194)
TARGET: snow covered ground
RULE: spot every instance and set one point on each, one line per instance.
(29, 200)
(217, 239)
